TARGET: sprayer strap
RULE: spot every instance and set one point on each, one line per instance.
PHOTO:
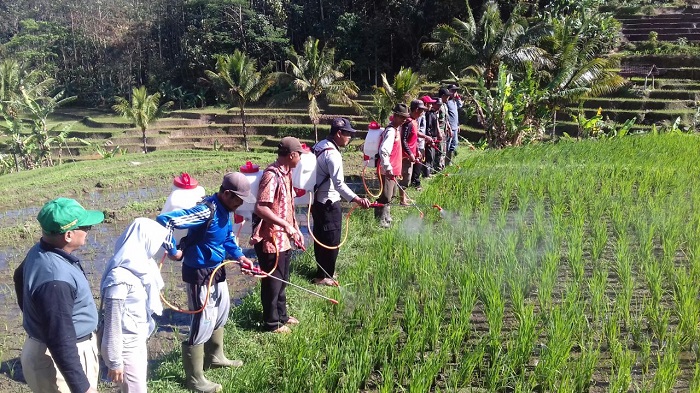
(186, 241)
(328, 177)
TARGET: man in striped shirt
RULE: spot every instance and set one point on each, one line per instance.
(208, 242)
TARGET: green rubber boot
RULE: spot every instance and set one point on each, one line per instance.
(214, 356)
(193, 361)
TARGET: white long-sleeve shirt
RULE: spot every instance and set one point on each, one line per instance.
(385, 149)
(329, 174)
(421, 129)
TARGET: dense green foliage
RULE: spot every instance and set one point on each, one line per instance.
(101, 50)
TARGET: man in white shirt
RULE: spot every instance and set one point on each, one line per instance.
(330, 187)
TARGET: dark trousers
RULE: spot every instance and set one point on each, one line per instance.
(328, 225)
(419, 170)
(431, 158)
(272, 292)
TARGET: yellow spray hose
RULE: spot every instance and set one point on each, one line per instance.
(263, 274)
(308, 225)
(381, 183)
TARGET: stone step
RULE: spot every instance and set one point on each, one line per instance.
(636, 104)
(663, 37)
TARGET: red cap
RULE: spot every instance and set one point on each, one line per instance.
(427, 100)
(249, 167)
(185, 181)
(305, 148)
(374, 125)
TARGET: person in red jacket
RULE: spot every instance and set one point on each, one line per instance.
(409, 145)
(390, 162)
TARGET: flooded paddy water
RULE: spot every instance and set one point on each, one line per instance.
(119, 208)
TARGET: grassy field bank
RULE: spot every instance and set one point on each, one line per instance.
(569, 267)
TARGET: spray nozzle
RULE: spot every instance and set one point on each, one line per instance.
(376, 204)
(437, 207)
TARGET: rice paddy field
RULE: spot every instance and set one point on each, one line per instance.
(569, 267)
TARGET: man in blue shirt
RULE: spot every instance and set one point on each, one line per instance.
(454, 102)
(208, 242)
(59, 314)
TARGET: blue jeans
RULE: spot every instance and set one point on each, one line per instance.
(454, 139)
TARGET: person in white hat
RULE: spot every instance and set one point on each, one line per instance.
(130, 293)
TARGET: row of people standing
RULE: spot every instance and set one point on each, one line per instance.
(440, 121)
(432, 120)
(60, 316)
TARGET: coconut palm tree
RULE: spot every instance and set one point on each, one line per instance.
(579, 69)
(142, 109)
(405, 87)
(315, 73)
(480, 47)
(239, 82)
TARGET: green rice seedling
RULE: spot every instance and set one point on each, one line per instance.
(654, 278)
(411, 315)
(659, 322)
(424, 376)
(548, 279)
(621, 374)
(555, 353)
(600, 238)
(575, 254)
(612, 336)
(668, 370)
(433, 315)
(685, 292)
(471, 360)
(521, 345)
(623, 268)
(517, 286)
(388, 382)
(695, 381)
(359, 362)
(496, 368)
(582, 369)
(494, 303)
(646, 241)
(598, 299)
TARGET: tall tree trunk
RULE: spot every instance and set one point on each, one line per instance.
(316, 131)
(145, 149)
(245, 129)
(554, 122)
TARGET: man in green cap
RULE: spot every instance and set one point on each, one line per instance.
(59, 314)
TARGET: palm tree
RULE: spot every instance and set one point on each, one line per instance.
(239, 82)
(405, 86)
(579, 70)
(315, 73)
(142, 109)
(481, 47)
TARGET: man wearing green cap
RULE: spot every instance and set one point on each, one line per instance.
(59, 314)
